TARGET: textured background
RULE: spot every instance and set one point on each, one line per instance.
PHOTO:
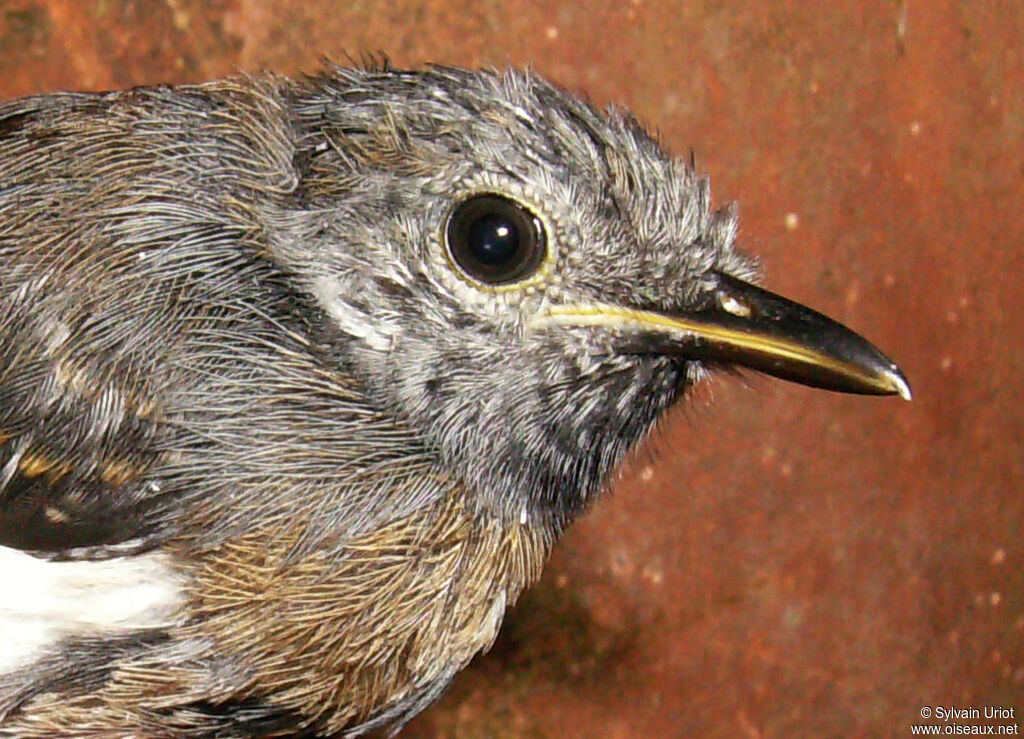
(780, 562)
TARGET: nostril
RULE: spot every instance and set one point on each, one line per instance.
(732, 305)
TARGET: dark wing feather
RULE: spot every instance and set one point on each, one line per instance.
(123, 220)
(160, 376)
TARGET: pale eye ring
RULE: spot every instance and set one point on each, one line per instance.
(495, 240)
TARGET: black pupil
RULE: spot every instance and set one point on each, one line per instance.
(495, 240)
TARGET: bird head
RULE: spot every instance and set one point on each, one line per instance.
(526, 281)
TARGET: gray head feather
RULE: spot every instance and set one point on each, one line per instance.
(533, 420)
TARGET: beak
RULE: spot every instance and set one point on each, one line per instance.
(742, 324)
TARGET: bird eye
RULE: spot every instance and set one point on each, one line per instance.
(495, 240)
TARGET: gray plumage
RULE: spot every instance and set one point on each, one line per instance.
(232, 331)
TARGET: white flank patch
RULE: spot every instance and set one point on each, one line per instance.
(42, 602)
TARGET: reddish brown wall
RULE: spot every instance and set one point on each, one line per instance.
(781, 562)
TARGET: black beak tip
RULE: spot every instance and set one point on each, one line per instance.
(896, 381)
(788, 340)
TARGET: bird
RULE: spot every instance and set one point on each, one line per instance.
(302, 378)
